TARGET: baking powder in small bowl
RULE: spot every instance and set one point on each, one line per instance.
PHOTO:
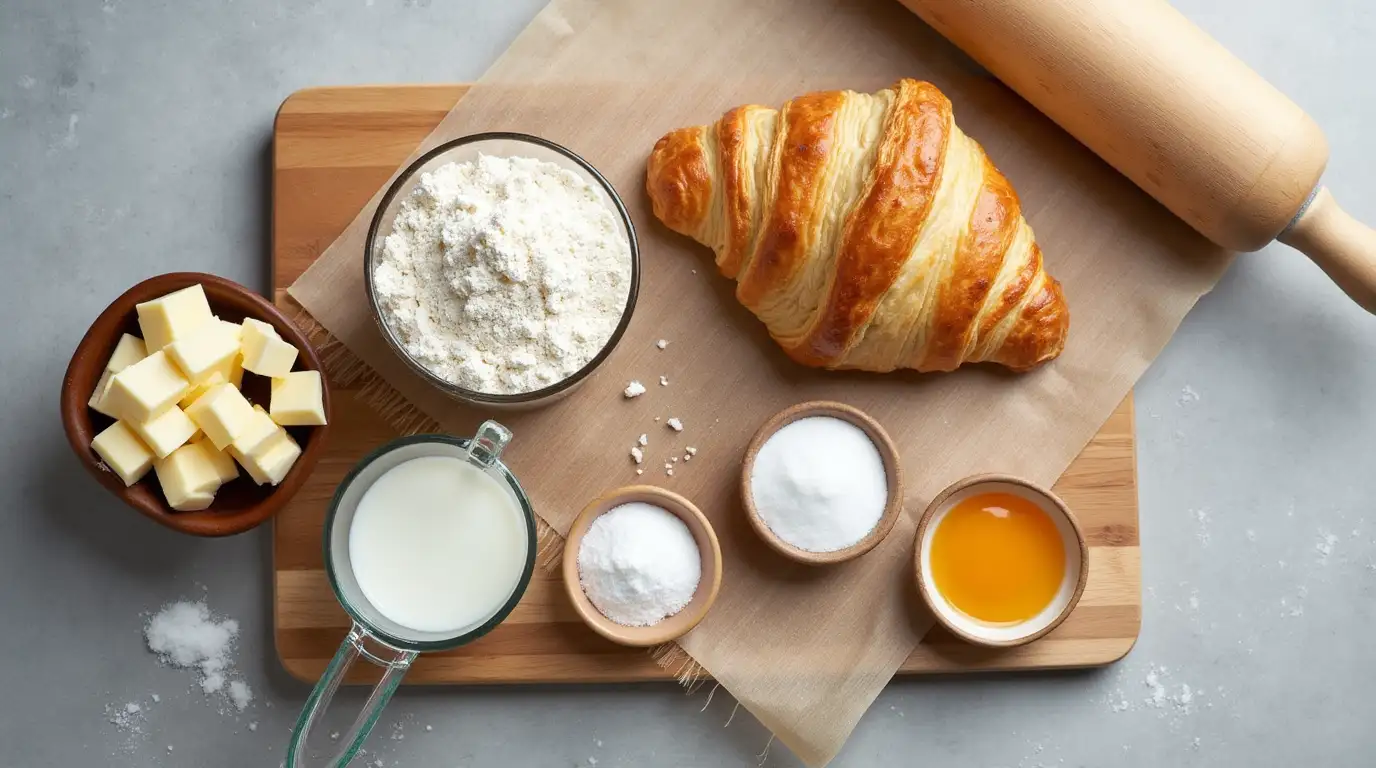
(819, 484)
(639, 564)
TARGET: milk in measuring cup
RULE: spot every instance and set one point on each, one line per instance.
(437, 544)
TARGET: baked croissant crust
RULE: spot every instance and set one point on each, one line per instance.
(865, 230)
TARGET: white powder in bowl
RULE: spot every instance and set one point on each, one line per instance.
(503, 274)
(819, 484)
(639, 564)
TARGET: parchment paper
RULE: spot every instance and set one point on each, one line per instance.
(805, 650)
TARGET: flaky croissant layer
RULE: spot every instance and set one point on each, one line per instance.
(865, 230)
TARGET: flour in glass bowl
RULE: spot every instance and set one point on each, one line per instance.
(503, 275)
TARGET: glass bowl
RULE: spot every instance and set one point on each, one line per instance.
(501, 144)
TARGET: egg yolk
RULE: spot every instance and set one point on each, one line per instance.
(997, 558)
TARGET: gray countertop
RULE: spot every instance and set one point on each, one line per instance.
(134, 140)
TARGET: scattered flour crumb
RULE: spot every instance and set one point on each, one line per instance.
(640, 471)
(1157, 696)
(662, 343)
(1195, 744)
(1188, 395)
(1194, 601)
(253, 726)
(691, 451)
(132, 708)
(429, 727)
(669, 472)
(637, 454)
(675, 424)
(673, 459)
(1201, 517)
(663, 381)
(643, 440)
(1324, 546)
(592, 761)
(1251, 535)
(334, 736)
(597, 743)
(634, 389)
(156, 698)
(240, 694)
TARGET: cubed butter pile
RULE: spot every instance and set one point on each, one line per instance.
(174, 395)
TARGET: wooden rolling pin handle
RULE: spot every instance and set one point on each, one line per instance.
(1342, 246)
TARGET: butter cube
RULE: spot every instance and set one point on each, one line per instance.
(145, 389)
(271, 460)
(298, 399)
(216, 377)
(97, 401)
(188, 478)
(222, 413)
(257, 429)
(120, 449)
(264, 351)
(234, 371)
(206, 352)
(128, 351)
(236, 329)
(174, 316)
(165, 432)
(223, 462)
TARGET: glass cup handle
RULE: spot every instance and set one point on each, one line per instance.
(486, 446)
(300, 754)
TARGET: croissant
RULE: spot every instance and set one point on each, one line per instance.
(865, 230)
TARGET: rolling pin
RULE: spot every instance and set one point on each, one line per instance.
(1170, 108)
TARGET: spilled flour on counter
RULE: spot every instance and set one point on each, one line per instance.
(185, 635)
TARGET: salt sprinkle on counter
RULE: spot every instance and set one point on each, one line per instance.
(639, 564)
(819, 484)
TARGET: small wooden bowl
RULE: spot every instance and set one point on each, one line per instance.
(680, 623)
(1072, 582)
(240, 505)
(893, 470)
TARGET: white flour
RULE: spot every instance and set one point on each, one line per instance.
(503, 275)
(184, 634)
(639, 564)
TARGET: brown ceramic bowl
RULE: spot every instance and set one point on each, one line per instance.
(240, 504)
(675, 626)
(893, 469)
(1072, 581)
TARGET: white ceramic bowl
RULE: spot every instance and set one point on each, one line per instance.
(1072, 580)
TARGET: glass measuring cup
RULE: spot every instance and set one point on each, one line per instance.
(373, 636)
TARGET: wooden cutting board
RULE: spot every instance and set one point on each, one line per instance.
(332, 149)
